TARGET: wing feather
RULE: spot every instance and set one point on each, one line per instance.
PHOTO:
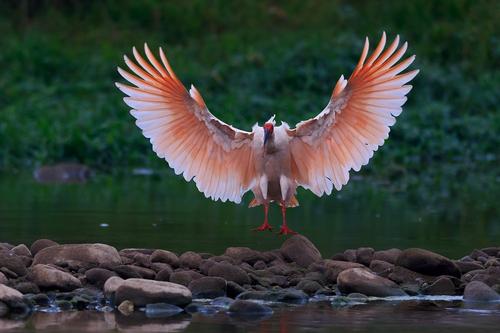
(183, 131)
(356, 120)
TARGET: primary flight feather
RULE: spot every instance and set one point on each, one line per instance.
(271, 161)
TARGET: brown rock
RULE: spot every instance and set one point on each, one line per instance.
(13, 263)
(111, 285)
(81, 255)
(21, 250)
(164, 274)
(40, 245)
(360, 280)
(9, 295)
(477, 291)
(126, 272)
(427, 262)
(190, 259)
(142, 292)
(99, 276)
(442, 286)
(126, 308)
(350, 255)
(402, 275)
(243, 254)
(334, 268)
(382, 268)
(300, 250)
(46, 276)
(208, 287)
(467, 266)
(230, 273)
(27, 288)
(390, 255)
(3, 278)
(364, 255)
(184, 277)
(166, 257)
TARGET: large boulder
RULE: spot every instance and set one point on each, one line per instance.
(477, 291)
(208, 287)
(79, 255)
(9, 295)
(427, 262)
(49, 277)
(230, 273)
(300, 250)
(360, 280)
(111, 285)
(142, 292)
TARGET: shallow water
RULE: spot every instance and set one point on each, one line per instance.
(165, 212)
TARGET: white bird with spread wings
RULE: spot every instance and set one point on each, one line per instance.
(271, 161)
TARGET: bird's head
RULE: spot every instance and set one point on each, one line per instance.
(268, 129)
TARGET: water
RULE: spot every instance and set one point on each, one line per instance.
(451, 218)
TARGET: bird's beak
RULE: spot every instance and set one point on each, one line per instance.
(267, 133)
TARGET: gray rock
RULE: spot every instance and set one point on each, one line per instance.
(308, 286)
(206, 265)
(208, 287)
(142, 292)
(13, 263)
(442, 286)
(3, 278)
(360, 280)
(81, 255)
(40, 245)
(243, 254)
(364, 255)
(190, 259)
(159, 266)
(126, 272)
(164, 274)
(21, 250)
(111, 285)
(300, 250)
(4, 310)
(382, 268)
(467, 266)
(477, 291)
(9, 295)
(249, 308)
(350, 255)
(98, 276)
(143, 272)
(166, 257)
(390, 255)
(291, 296)
(259, 264)
(233, 289)
(184, 277)
(427, 262)
(230, 273)
(46, 276)
(402, 275)
(27, 287)
(141, 259)
(334, 268)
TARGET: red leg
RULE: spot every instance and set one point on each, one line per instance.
(265, 225)
(284, 230)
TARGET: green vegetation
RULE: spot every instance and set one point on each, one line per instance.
(249, 59)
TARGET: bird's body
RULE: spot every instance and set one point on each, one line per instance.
(271, 161)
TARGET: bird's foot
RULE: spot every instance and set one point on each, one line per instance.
(265, 226)
(284, 230)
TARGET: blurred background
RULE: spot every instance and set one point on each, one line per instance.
(249, 59)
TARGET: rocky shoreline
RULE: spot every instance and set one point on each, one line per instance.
(51, 277)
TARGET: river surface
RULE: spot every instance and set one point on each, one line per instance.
(449, 217)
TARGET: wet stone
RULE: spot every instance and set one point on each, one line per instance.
(300, 250)
(27, 288)
(363, 281)
(427, 262)
(249, 308)
(308, 286)
(381, 268)
(243, 254)
(233, 289)
(40, 245)
(467, 266)
(98, 276)
(12, 263)
(477, 291)
(142, 292)
(3, 278)
(45, 276)
(442, 286)
(126, 272)
(162, 310)
(208, 287)
(291, 296)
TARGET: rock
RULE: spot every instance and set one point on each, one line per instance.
(184, 277)
(3, 278)
(27, 288)
(62, 173)
(402, 275)
(40, 245)
(190, 259)
(490, 276)
(208, 287)
(339, 257)
(41, 299)
(166, 257)
(143, 272)
(13, 263)
(492, 251)
(206, 265)
(350, 255)
(381, 268)
(80, 255)
(159, 266)
(162, 310)
(364, 255)
(259, 264)
(164, 274)
(131, 252)
(334, 268)
(4, 311)
(442, 286)
(126, 307)
(477, 291)
(230, 273)
(390, 255)
(142, 292)
(243, 254)
(308, 286)
(111, 285)
(467, 266)
(127, 272)
(9, 295)
(477, 254)
(21, 250)
(427, 262)
(249, 308)
(358, 297)
(141, 259)
(300, 250)
(360, 280)
(284, 269)
(233, 289)
(46, 276)
(99, 276)
(291, 296)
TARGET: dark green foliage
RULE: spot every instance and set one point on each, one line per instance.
(249, 59)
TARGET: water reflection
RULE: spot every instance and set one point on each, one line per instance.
(407, 316)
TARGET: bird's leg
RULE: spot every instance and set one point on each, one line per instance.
(265, 225)
(284, 230)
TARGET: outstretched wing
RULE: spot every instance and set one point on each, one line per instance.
(183, 132)
(355, 122)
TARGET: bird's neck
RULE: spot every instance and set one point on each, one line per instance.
(270, 146)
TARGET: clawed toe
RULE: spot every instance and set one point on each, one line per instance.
(284, 230)
(264, 227)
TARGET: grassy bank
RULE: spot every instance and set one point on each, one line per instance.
(249, 59)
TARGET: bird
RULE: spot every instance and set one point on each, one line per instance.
(271, 161)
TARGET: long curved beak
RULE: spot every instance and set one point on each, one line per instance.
(267, 133)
